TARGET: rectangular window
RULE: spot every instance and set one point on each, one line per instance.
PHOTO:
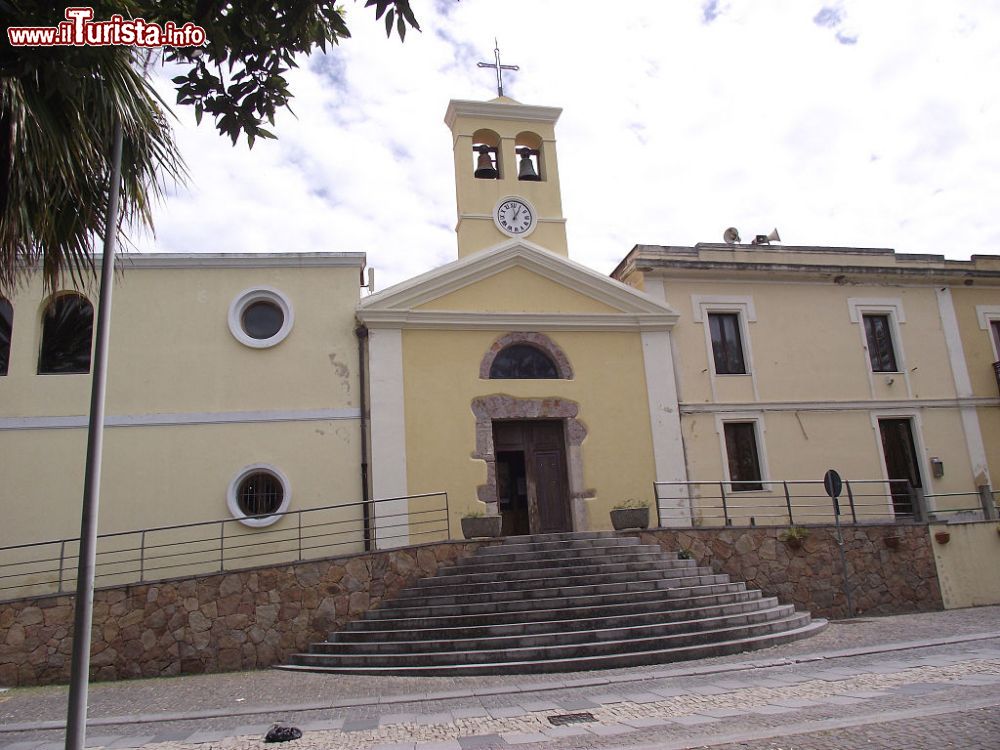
(995, 330)
(727, 345)
(744, 464)
(878, 334)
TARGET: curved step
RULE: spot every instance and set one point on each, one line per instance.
(565, 638)
(711, 583)
(475, 593)
(623, 659)
(557, 652)
(625, 607)
(445, 578)
(597, 618)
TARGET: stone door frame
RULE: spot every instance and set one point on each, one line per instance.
(505, 407)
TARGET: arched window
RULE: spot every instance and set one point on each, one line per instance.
(522, 361)
(528, 147)
(67, 330)
(486, 155)
(6, 326)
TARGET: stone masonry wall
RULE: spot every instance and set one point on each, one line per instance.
(885, 580)
(229, 621)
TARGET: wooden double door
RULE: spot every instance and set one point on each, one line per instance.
(532, 482)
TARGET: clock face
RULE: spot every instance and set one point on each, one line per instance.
(514, 216)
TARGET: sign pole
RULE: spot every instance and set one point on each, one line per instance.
(833, 485)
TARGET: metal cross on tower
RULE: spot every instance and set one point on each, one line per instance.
(497, 66)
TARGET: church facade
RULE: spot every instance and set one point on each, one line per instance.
(514, 379)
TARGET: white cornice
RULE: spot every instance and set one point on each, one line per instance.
(499, 111)
(457, 320)
(239, 260)
(519, 253)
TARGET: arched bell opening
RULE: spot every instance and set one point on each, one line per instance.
(486, 155)
(528, 147)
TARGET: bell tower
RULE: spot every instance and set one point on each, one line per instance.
(506, 176)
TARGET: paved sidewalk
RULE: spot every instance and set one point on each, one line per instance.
(900, 680)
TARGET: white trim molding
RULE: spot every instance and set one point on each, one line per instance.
(252, 296)
(79, 421)
(388, 434)
(232, 501)
(696, 407)
(664, 421)
(963, 383)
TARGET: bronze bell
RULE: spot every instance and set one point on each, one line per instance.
(526, 169)
(484, 165)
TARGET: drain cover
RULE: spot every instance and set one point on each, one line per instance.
(563, 719)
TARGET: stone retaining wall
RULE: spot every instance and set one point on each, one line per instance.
(229, 621)
(256, 618)
(885, 580)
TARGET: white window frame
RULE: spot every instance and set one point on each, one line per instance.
(260, 294)
(757, 420)
(893, 309)
(987, 315)
(701, 306)
(232, 501)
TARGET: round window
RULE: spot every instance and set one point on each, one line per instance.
(260, 317)
(258, 495)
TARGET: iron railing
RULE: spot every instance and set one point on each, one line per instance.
(146, 555)
(727, 503)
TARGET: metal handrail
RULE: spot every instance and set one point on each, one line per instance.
(787, 500)
(148, 559)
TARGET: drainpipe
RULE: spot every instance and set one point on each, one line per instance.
(362, 333)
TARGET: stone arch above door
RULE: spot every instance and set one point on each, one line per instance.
(501, 406)
(537, 340)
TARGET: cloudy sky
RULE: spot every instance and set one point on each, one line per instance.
(872, 123)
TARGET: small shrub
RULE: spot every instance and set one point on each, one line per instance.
(685, 554)
(631, 504)
(794, 534)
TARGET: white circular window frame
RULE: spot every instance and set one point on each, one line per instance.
(232, 499)
(260, 294)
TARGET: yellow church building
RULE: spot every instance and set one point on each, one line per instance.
(246, 388)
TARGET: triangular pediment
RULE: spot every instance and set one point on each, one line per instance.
(514, 285)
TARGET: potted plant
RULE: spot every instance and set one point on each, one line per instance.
(794, 536)
(476, 525)
(942, 537)
(891, 540)
(685, 554)
(631, 514)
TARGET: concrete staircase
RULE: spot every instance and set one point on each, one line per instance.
(554, 603)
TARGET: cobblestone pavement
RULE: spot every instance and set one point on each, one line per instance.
(898, 682)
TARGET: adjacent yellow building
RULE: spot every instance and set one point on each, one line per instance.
(514, 379)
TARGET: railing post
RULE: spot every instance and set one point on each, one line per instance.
(725, 507)
(788, 503)
(919, 503)
(299, 514)
(142, 557)
(850, 500)
(447, 515)
(62, 562)
(222, 546)
(656, 499)
(987, 501)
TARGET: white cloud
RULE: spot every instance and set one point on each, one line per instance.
(675, 126)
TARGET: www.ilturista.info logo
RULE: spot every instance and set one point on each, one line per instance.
(79, 30)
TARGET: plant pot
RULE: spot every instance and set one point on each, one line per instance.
(475, 527)
(794, 542)
(630, 518)
(892, 542)
(942, 537)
